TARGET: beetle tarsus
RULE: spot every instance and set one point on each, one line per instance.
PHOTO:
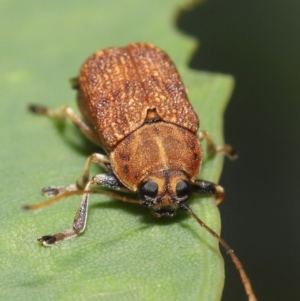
(38, 109)
(25, 207)
(50, 191)
(228, 151)
(233, 155)
(47, 240)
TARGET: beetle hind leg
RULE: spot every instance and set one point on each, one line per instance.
(63, 113)
(213, 149)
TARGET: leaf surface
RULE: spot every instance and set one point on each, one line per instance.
(124, 254)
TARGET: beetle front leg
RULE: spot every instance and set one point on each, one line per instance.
(213, 149)
(79, 223)
(206, 188)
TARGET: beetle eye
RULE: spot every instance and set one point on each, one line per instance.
(149, 189)
(183, 189)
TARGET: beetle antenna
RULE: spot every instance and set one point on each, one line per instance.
(229, 250)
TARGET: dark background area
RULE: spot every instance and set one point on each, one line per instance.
(259, 43)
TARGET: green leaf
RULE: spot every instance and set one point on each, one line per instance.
(124, 254)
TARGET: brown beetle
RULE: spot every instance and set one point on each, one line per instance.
(134, 105)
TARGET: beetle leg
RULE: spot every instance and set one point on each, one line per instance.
(105, 180)
(79, 222)
(67, 112)
(80, 219)
(213, 149)
(77, 227)
(206, 188)
(74, 83)
(56, 193)
(99, 159)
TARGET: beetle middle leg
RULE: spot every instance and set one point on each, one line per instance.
(81, 182)
(80, 219)
(213, 149)
(60, 192)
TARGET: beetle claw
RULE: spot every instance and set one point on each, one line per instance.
(37, 109)
(47, 240)
(50, 191)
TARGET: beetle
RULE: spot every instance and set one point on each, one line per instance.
(135, 107)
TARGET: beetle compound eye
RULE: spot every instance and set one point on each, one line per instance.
(183, 189)
(148, 189)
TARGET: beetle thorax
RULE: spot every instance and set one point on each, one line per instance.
(156, 147)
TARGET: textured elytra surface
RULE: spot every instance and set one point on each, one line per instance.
(119, 86)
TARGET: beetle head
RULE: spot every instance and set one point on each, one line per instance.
(164, 192)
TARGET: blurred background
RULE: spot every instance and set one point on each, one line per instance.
(259, 43)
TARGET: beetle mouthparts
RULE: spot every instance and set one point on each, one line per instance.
(164, 212)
